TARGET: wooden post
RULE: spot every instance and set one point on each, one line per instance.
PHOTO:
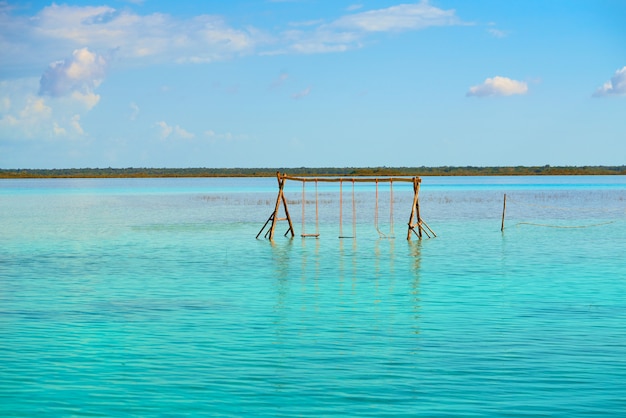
(417, 208)
(281, 185)
(415, 211)
(503, 211)
(274, 216)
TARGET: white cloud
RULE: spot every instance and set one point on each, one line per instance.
(58, 131)
(349, 31)
(215, 136)
(203, 38)
(279, 81)
(84, 69)
(173, 132)
(227, 136)
(182, 133)
(35, 109)
(615, 86)
(301, 94)
(28, 118)
(354, 7)
(134, 111)
(5, 104)
(166, 130)
(75, 77)
(27, 115)
(497, 33)
(305, 23)
(76, 23)
(399, 18)
(87, 99)
(498, 86)
(75, 123)
(322, 41)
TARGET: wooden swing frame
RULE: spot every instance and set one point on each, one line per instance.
(416, 224)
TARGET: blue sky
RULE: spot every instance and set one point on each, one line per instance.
(282, 83)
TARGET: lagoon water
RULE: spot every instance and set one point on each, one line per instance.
(152, 297)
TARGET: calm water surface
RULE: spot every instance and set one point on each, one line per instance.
(151, 297)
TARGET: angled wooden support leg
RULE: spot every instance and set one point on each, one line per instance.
(274, 216)
(266, 222)
(415, 211)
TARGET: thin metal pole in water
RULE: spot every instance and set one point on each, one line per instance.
(503, 212)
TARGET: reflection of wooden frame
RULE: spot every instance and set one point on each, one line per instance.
(416, 223)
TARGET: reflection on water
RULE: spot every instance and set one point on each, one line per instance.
(281, 257)
(415, 253)
(311, 277)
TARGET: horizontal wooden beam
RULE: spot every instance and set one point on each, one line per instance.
(353, 179)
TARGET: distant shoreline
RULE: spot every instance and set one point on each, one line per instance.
(310, 171)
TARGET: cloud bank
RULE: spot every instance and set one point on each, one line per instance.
(81, 43)
(150, 38)
(616, 86)
(159, 37)
(498, 86)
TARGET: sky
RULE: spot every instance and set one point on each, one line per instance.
(312, 83)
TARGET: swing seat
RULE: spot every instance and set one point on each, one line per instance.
(304, 234)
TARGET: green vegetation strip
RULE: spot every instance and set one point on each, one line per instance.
(308, 171)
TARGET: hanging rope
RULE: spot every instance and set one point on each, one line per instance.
(381, 234)
(353, 212)
(340, 208)
(317, 213)
(303, 205)
(304, 234)
(391, 208)
(341, 212)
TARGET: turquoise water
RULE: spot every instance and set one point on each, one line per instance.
(151, 297)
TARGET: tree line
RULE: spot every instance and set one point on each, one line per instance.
(132, 172)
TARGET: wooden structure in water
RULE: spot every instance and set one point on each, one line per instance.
(416, 224)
